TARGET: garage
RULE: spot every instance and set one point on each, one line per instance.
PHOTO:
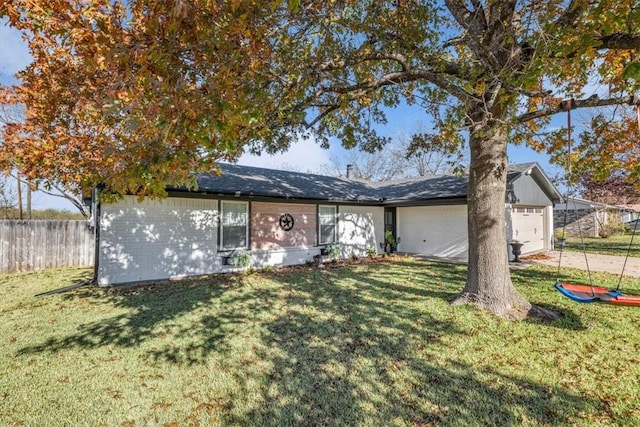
(528, 227)
(439, 231)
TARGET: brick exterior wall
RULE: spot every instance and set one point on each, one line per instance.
(266, 232)
(587, 222)
(178, 237)
(157, 239)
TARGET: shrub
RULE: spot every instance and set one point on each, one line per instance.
(241, 259)
(332, 250)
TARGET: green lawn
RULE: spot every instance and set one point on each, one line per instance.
(613, 245)
(372, 344)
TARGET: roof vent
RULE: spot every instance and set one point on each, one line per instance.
(349, 171)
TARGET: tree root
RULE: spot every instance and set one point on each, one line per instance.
(545, 314)
(517, 310)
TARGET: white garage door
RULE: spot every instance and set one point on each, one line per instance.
(528, 227)
(434, 230)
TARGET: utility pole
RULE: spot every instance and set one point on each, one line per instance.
(29, 200)
(19, 196)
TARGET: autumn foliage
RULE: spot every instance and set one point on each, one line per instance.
(137, 95)
(133, 97)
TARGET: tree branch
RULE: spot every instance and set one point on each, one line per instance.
(571, 14)
(621, 41)
(65, 195)
(328, 110)
(577, 103)
(473, 21)
(338, 65)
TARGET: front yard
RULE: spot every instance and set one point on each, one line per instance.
(370, 344)
(619, 244)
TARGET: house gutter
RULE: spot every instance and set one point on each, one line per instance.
(271, 198)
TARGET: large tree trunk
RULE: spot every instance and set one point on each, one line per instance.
(488, 278)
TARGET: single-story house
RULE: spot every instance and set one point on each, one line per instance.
(630, 213)
(286, 218)
(591, 219)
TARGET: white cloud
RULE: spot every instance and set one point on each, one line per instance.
(302, 156)
(14, 52)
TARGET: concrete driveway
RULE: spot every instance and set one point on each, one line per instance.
(602, 263)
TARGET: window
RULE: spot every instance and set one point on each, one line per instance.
(233, 226)
(327, 222)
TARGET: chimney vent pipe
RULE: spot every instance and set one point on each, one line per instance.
(349, 171)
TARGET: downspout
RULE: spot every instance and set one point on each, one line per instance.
(97, 207)
(96, 233)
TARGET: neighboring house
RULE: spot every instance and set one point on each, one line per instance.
(285, 218)
(630, 213)
(588, 218)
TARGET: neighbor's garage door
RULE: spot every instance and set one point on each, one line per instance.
(528, 227)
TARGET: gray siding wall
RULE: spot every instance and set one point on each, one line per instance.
(360, 228)
(528, 192)
(157, 239)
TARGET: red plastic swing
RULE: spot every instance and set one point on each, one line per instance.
(588, 293)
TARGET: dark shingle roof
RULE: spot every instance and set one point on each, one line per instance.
(423, 188)
(252, 181)
(247, 181)
(515, 171)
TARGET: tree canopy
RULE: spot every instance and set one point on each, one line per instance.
(136, 95)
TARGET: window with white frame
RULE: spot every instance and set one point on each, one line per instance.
(327, 220)
(234, 225)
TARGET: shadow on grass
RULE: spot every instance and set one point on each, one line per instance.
(342, 346)
(538, 285)
(377, 362)
(143, 313)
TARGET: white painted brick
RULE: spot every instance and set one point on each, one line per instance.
(157, 239)
(360, 227)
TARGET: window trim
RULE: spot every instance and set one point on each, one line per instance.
(335, 224)
(221, 247)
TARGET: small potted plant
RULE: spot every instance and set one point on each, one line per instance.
(241, 259)
(238, 259)
(390, 243)
(332, 250)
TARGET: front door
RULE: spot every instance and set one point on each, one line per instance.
(389, 226)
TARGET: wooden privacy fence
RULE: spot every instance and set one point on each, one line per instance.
(40, 244)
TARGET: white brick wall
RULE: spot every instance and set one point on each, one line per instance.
(177, 237)
(360, 227)
(157, 239)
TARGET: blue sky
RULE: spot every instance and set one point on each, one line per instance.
(304, 155)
